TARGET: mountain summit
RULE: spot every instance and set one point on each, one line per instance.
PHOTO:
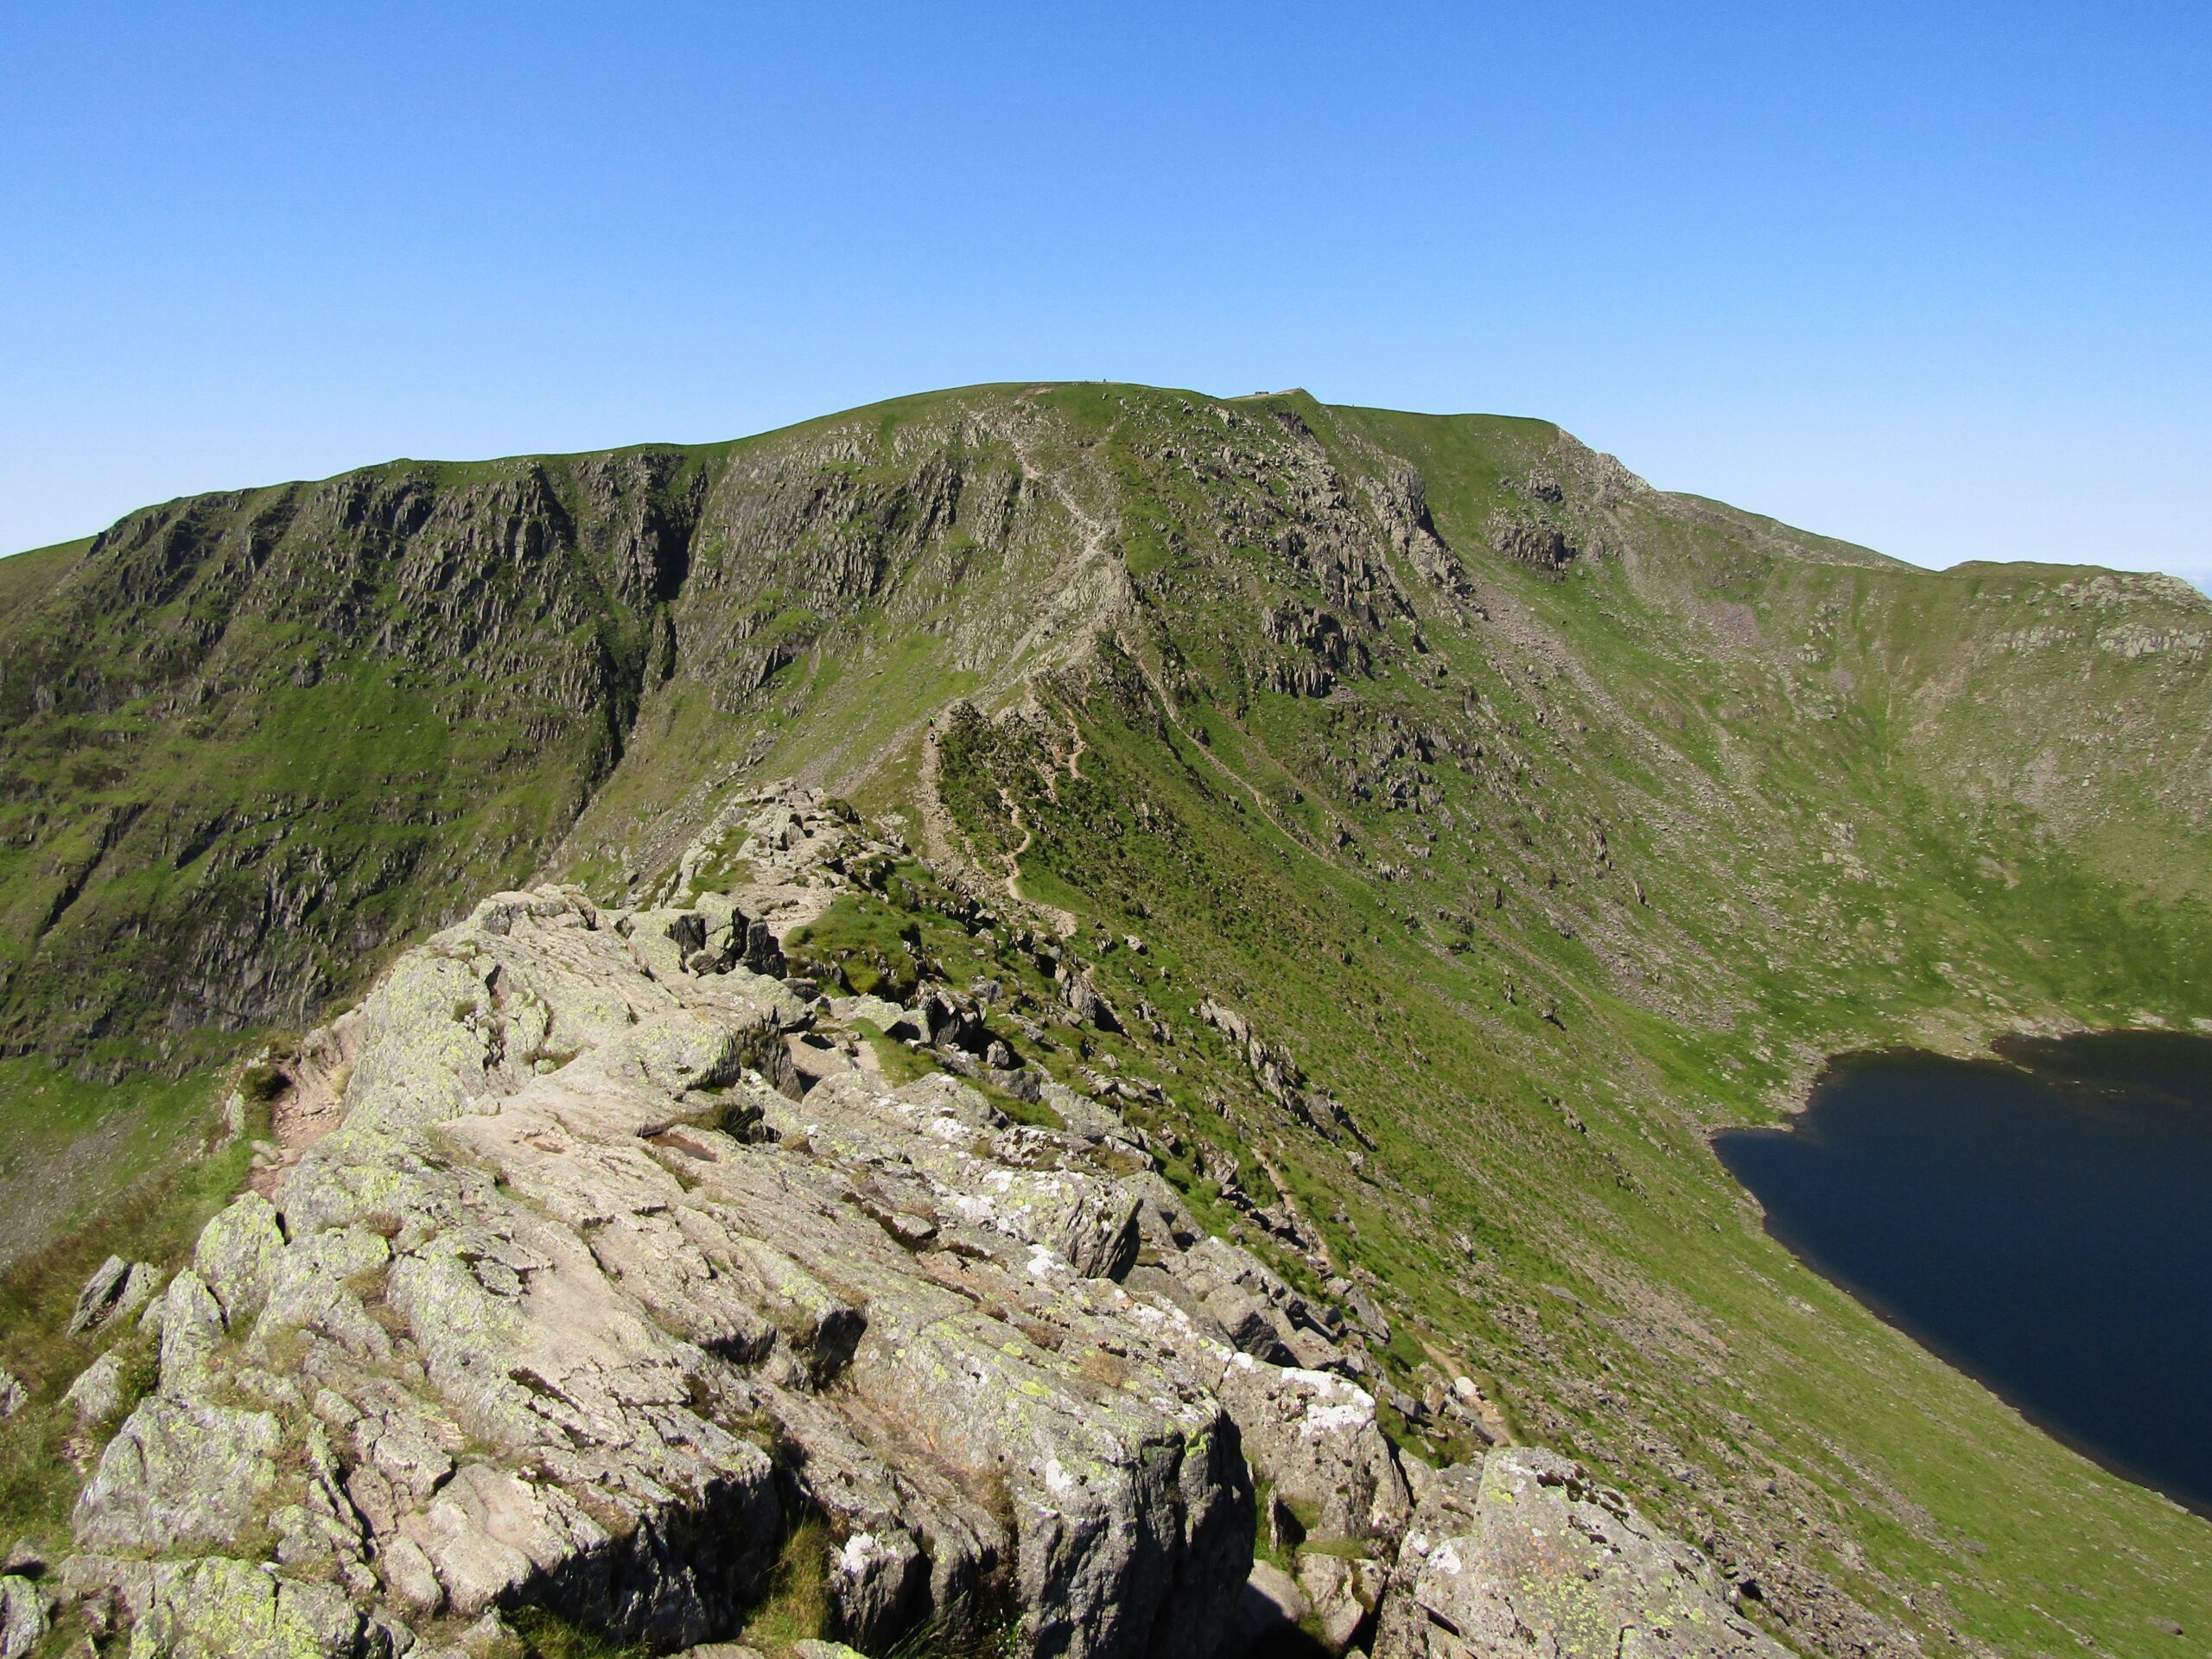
(1315, 874)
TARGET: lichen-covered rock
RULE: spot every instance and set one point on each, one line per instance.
(97, 1394)
(177, 1475)
(23, 1622)
(218, 1608)
(532, 1324)
(140, 1285)
(1526, 1554)
(192, 1330)
(238, 1254)
(1316, 1437)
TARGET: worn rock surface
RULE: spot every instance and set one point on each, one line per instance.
(1345, 1594)
(22, 1617)
(621, 1258)
(573, 1308)
(1526, 1554)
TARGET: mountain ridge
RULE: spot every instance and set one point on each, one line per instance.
(1541, 820)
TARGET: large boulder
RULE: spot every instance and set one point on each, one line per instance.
(1527, 1554)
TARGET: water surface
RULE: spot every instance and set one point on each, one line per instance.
(2045, 1225)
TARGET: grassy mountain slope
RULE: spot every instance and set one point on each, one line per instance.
(1547, 820)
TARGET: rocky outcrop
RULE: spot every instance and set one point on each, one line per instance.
(599, 1297)
(1279, 1077)
(1532, 539)
(1400, 497)
(1325, 650)
(24, 1621)
(1527, 1554)
(575, 1308)
(1316, 1437)
(116, 1288)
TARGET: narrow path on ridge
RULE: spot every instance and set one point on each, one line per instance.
(1096, 536)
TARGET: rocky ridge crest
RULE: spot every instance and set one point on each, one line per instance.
(628, 1262)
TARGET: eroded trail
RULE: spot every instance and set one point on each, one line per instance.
(1096, 539)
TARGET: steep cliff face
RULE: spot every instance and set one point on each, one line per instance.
(249, 734)
(1449, 827)
(253, 740)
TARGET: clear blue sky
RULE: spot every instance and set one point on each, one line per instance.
(1937, 279)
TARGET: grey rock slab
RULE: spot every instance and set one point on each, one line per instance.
(97, 1301)
(176, 1475)
(1527, 1552)
(528, 1325)
(97, 1394)
(22, 1617)
(238, 1254)
(218, 1608)
(192, 1330)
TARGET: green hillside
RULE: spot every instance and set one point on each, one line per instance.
(1547, 821)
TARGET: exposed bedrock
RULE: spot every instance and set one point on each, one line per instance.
(573, 1308)
(580, 1306)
